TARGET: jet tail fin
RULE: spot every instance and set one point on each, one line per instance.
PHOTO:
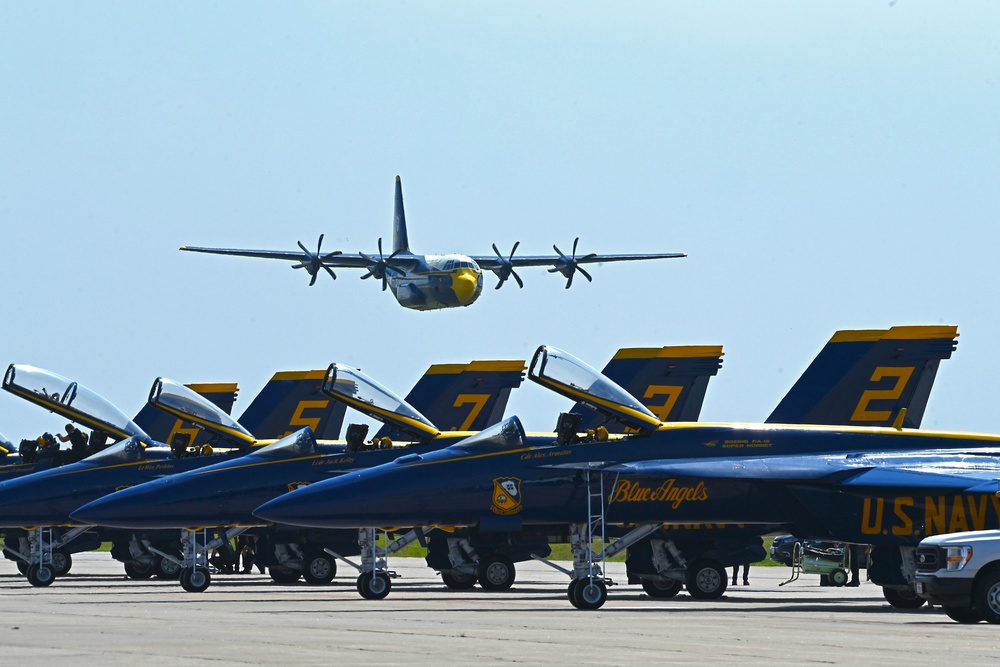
(161, 426)
(463, 397)
(291, 400)
(867, 377)
(670, 381)
(400, 241)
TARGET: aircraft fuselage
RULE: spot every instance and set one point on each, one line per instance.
(438, 281)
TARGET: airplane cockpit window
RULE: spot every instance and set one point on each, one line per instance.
(125, 451)
(187, 404)
(567, 375)
(365, 395)
(299, 443)
(508, 434)
(68, 398)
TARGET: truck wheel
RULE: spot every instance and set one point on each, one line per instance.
(906, 599)
(966, 615)
(986, 596)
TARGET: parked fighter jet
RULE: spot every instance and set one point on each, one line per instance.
(226, 494)
(502, 477)
(223, 496)
(43, 556)
(431, 282)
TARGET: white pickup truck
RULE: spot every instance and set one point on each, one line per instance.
(961, 573)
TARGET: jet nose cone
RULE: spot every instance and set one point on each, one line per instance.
(115, 510)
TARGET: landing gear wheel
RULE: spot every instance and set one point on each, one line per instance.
(40, 575)
(135, 569)
(62, 562)
(166, 569)
(374, 586)
(284, 575)
(319, 569)
(195, 579)
(496, 573)
(588, 593)
(458, 581)
(22, 566)
(661, 589)
(966, 615)
(705, 579)
(907, 599)
(986, 596)
(838, 577)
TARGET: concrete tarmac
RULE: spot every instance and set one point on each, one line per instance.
(97, 616)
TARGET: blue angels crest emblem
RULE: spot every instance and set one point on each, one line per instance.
(506, 496)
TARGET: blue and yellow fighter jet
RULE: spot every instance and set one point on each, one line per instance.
(46, 499)
(502, 476)
(284, 398)
(225, 495)
(431, 282)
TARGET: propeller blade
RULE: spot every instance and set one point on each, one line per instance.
(585, 274)
(330, 271)
(517, 278)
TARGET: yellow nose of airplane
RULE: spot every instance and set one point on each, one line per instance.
(468, 285)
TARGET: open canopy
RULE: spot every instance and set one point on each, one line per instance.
(369, 397)
(176, 399)
(69, 399)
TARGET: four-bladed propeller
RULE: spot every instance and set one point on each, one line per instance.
(570, 265)
(313, 262)
(506, 269)
(381, 267)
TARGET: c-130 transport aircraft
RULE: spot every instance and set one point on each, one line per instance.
(431, 282)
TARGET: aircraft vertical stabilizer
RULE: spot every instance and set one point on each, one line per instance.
(670, 381)
(866, 377)
(291, 400)
(463, 397)
(400, 241)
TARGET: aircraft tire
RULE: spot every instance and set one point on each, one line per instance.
(167, 569)
(706, 579)
(661, 589)
(965, 615)
(458, 581)
(496, 573)
(319, 569)
(986, 595)
(40, 575)
(838, 577)
(62, 562)
(195, 579)
(374, 586)
(907, 599)
(22, 566)
(283, 575)
(135, 569)
(589, 593)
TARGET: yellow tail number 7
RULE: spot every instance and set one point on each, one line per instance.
(861, 411)
(478, 402)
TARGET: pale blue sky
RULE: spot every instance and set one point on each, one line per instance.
(824, 164)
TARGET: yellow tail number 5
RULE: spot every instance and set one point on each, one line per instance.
(861, 411)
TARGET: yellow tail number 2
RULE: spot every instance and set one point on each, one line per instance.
(861, 411)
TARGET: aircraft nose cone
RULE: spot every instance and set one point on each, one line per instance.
(325, 504)
(468, 284)
(116, 510)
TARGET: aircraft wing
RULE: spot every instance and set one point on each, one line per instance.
(846, 473)
(335, 260)
(493, 262)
